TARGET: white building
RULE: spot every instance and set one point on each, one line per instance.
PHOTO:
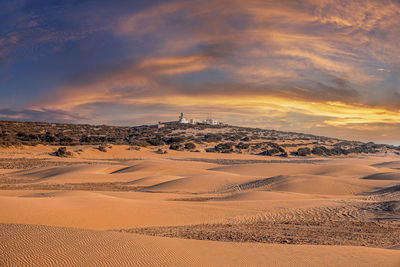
(182, 119)
(210, 121)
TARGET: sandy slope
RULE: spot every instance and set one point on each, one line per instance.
(127, 189)
(331, 168)
(395, 176)
(101, 211)
(33, 245)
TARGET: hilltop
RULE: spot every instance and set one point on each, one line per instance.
(177, 136)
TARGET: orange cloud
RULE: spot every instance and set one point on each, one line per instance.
(175, 65)
(318, 58)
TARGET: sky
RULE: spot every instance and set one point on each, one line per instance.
(326, 67)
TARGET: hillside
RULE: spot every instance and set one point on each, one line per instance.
(175, 136)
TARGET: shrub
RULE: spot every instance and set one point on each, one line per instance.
(133, 148)
(338, 151)
(283, 154)
(156, 142)
(102, 148)
(271, 152)
(209, 138)
(304, 151)
(321, 151)
(246, 139)
(176, 139)
(176, 146)
(162, 151)
(49, 138)
(62, 152)
(242, 145)
(190, 146)
(138, 143)
(66, 141)
(224, 148)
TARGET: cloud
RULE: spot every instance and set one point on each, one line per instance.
(44, 114)
(328, 64)
(32, 31)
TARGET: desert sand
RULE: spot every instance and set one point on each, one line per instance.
(140, 208)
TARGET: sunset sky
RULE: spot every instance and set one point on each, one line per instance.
(327, 67)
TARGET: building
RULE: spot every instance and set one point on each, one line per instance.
(182, 119)
(208, 121)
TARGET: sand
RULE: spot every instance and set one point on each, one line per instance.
(34, 245)
(88, 209)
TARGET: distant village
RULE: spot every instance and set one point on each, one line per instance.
(183, 120)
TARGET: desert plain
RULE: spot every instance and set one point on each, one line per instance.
(127, 207)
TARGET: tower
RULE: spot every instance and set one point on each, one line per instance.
(182, 119)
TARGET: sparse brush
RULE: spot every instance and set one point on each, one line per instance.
(102, 148)
(62, 152)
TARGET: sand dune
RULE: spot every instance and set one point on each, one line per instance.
(265, 195)
(318, 184)
(104, 211)
(309, 184)
(273, 169)
(388, 164)
(343, 170)
(199, 183)
(266, 170)
(164, 166)
(76, 203)
(149, 181)
(67, 174)
(57, 194)
(35, 245)
(383, 176)
(390, 189)
(111, 173)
